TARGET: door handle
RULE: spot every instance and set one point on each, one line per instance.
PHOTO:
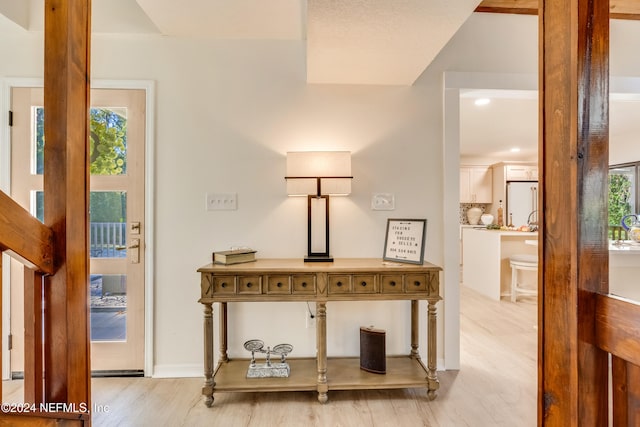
(135, 254)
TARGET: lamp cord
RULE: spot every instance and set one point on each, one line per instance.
(311, 315)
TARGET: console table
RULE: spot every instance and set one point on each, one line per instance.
(356, 279)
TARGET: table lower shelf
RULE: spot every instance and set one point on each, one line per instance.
(343, 373)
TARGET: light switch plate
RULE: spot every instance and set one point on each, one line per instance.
(222, 201)
(383, 202)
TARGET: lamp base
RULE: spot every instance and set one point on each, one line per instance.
(318, 258)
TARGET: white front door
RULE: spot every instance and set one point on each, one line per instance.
(117, 212)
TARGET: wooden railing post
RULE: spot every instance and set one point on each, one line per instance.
(1, 296)
(573, 255)
(33, 362)
(67, 33)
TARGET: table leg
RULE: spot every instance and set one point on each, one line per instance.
(209, 384)
(432, 377)
(321, 344)
(414, 330)
(224, 357)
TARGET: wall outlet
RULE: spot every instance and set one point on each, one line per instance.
(310, 321)
(222, 201)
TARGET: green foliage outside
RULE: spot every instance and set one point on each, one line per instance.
(107, 142)
(619, 197)
(107, 151)
(108, 206)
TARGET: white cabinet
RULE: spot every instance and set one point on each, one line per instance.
(476, 184)
(521, 173)
(486, 260)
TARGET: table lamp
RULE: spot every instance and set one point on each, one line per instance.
(318, 175)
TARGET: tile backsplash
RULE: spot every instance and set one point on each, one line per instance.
(465, 206)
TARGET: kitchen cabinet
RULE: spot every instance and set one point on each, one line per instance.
(521, 173)
(476, 184)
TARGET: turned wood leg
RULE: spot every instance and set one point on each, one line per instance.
(321, 344)
(432, 377)
(414, 330)
(224, 357)
(209, 384)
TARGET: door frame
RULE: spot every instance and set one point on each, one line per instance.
(6, 84)
(454, 83)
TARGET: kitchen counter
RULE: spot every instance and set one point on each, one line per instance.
(485, 255)
(525, 234)
(485, 266)
(624, 269)
(624, 247)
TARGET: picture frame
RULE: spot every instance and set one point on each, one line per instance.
(404, 240)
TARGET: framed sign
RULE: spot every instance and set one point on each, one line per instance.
(404, 241)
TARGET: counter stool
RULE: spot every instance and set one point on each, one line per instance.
(521, 262)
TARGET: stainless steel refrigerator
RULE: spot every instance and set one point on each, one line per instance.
(522, 202)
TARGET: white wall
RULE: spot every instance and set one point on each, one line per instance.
(226, 113)
(225, 127)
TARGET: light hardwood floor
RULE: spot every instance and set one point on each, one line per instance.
(496, 386)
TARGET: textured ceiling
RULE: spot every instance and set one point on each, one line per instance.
(384, 42)
(378, 41)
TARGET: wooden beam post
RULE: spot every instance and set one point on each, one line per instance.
(24, 237)
(1, 296)
(574, 118)
(33, 363)
(66, 196)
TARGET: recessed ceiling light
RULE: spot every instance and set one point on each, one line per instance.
(482, 101)
(515, 150)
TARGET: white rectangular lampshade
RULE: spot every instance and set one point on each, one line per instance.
(303, 167)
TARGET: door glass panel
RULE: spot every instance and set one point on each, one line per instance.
(37, 163)
(37, 203)
(108, 226)
(108, 307)
(107, 141)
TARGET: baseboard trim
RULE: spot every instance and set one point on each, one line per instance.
(178, 371)
(117, 373)
(19, 375)
(441, 365)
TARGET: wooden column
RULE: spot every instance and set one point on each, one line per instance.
(574, 104)
(66, 190)
(1, 331)
(33, 363)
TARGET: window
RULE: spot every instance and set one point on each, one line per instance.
(623, 191)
